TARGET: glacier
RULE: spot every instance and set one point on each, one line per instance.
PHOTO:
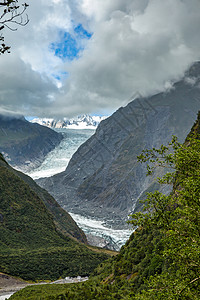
(115, 237)
(57, 160)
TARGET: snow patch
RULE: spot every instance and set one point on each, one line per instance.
(80, 122)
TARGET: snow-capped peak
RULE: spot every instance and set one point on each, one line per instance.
(80, 122)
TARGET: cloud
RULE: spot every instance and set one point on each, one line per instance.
(136, 46)
(23, 90)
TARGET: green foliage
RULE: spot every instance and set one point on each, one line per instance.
(177, 217)
(50, 263)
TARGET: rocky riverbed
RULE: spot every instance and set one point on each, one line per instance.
(9, 285)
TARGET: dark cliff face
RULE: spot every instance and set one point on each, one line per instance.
(25, 144)
(103, 178)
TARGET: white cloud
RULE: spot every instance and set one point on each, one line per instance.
(23, 90)
(137, 46)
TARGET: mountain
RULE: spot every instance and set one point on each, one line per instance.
(103, 178)
(161, 258)
(80, 122)
(62, 220)
(38, 239)
(24, 144)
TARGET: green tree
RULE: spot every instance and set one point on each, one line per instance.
(11, 15)
(177, 217)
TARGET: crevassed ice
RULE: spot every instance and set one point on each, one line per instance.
(98, 228)
(57, 160)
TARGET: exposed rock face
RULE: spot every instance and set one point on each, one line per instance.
(103, 177)
(24, 144)
(102, 242)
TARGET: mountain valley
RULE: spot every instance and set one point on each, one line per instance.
(100, 150)
(153, 264)
(39, 240)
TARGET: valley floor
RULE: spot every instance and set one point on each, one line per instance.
(9, 285)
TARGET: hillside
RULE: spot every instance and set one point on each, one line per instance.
(31, 243)
(62, 220)
(161, 260)
(24, 144)
(104, 172)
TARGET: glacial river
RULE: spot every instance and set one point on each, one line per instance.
(7, 296)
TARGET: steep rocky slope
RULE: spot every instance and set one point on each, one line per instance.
(103, 178)
(24, 144)
(35, 242)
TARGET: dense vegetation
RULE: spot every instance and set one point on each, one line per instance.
(31, 246)
(62, 220)
(161, 260)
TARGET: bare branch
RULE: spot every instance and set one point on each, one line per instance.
(11, 17)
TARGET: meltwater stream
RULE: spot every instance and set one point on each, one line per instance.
(56, 161)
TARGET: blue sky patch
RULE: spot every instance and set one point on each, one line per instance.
(61, 75)
(68, 47)
(82, 33)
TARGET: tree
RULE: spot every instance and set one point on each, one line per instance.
(11, 15)
(177, 217)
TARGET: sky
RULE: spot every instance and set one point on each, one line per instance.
(93, 56)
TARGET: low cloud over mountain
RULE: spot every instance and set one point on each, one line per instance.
(92, 56)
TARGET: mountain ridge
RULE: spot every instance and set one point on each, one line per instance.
(23, 144)
(80, 122)
(104, 172)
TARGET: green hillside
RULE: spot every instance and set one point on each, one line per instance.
(31, 246)
(62, 220)
(161, 260)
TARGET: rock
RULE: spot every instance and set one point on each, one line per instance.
(103, 241)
